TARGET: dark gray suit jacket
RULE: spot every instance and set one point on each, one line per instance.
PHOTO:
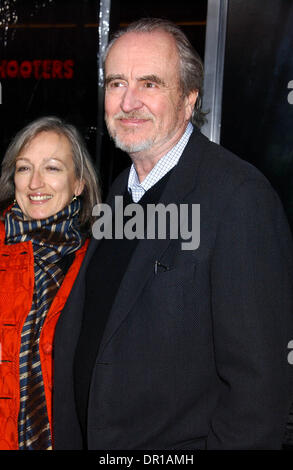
(193, 357)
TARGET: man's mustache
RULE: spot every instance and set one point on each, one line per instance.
(133, 115)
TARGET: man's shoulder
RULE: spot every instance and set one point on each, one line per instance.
(220, 166)
(212, 166)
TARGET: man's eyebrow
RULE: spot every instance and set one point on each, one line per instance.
(145, 78)
(152, 78)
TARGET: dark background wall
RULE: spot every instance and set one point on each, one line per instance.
(48, 56)
(257, 119)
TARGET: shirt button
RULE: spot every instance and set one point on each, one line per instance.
(47, 348)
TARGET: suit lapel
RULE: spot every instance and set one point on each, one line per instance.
(142, 264)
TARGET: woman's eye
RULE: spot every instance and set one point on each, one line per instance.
(53, 168)
(20, 169)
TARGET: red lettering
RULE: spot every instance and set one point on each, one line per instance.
(12, 69)
(68, 68)
(37, 69)
(3, 68)
(36, 65)
(47, 69)
(26, 69)
(57, 69)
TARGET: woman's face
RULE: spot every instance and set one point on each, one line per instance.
(44, 178)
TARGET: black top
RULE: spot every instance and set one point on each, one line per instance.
(104, 275)
(65, 262)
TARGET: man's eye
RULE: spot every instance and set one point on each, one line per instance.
(150, 85)
(115, 84)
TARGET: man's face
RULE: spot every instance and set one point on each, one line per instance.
(144, 109)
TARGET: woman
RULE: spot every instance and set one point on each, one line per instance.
(47, 190)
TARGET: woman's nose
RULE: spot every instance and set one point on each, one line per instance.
(36, 180)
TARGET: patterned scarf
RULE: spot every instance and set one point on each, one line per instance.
(52, 239)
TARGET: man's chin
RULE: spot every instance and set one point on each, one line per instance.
(133, 147)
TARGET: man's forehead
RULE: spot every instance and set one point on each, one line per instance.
(156, 43)
(144, 53)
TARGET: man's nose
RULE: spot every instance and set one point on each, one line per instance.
(36, 180)
(131, 100)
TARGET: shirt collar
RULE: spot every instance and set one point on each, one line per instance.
(162, 167)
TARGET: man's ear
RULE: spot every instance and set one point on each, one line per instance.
(190, 101)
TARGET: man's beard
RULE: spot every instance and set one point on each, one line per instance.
(133, 147)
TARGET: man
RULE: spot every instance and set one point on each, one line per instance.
(163, 345)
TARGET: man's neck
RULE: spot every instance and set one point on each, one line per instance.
(144, 166)
(145, 160)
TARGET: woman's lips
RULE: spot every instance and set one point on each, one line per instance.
(39, 198)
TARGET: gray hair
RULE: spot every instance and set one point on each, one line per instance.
(84, 169)
(191, 66)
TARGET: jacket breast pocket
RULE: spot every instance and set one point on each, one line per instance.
(171, 289)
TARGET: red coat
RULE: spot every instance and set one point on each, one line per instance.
(16, 292)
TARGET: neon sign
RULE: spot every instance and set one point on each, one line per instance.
(38, 69)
